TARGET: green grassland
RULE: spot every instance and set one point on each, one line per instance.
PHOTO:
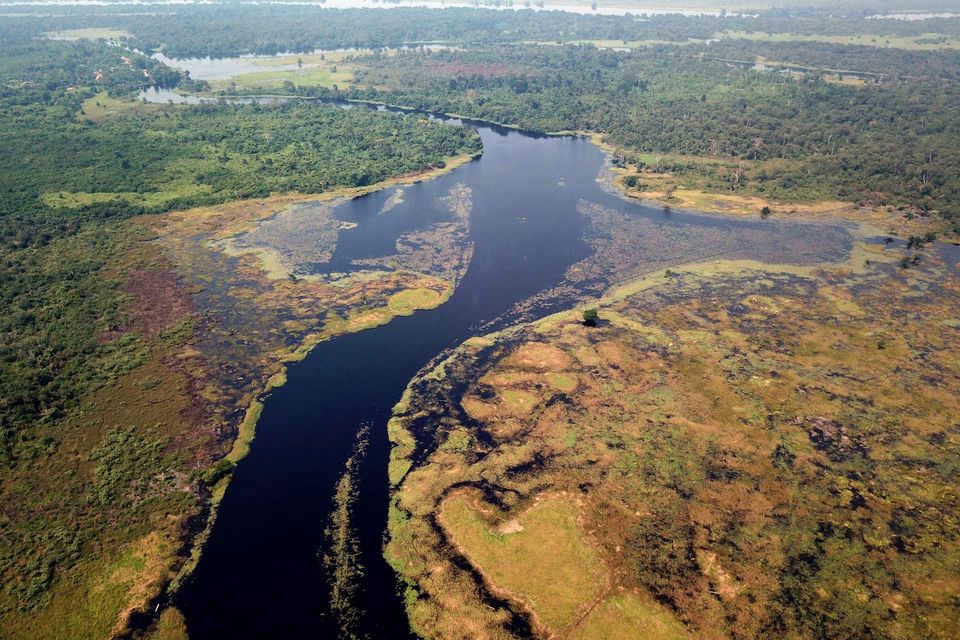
(103, 105)
(314, 77)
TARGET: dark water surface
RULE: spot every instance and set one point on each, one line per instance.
(260, 575)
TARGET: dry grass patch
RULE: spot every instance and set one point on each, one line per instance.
(630, 616)
(565, 382)
(540, 557)
(539, 356)
(518, 402)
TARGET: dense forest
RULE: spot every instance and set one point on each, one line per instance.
(232, 29)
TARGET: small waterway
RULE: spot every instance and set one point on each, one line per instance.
(261, 575)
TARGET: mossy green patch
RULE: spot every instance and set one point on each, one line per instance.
(405, 303)
(564, 382)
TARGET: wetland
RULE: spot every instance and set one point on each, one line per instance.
(544, 231)
(290, 352)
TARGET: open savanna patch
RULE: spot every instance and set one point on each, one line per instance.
(312, 76)
(325, 69)
(102, 105)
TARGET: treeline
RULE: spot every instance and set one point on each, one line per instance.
(888, 143)
(233, 29)
(872, 63)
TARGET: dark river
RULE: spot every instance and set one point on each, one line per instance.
(260, 575)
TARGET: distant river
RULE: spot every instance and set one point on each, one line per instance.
(260, 575)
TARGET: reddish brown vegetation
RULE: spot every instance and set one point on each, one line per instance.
(159, 301)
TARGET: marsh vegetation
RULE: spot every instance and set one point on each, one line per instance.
(727, 451)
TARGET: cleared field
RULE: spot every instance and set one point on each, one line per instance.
(102, 106)
(316, 77)
(326, 69)
(91, 33)
(540, 557)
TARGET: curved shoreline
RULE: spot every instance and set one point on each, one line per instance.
(838, 211)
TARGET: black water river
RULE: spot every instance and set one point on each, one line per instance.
(260, 575)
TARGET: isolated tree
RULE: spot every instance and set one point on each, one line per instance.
(590, 317)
